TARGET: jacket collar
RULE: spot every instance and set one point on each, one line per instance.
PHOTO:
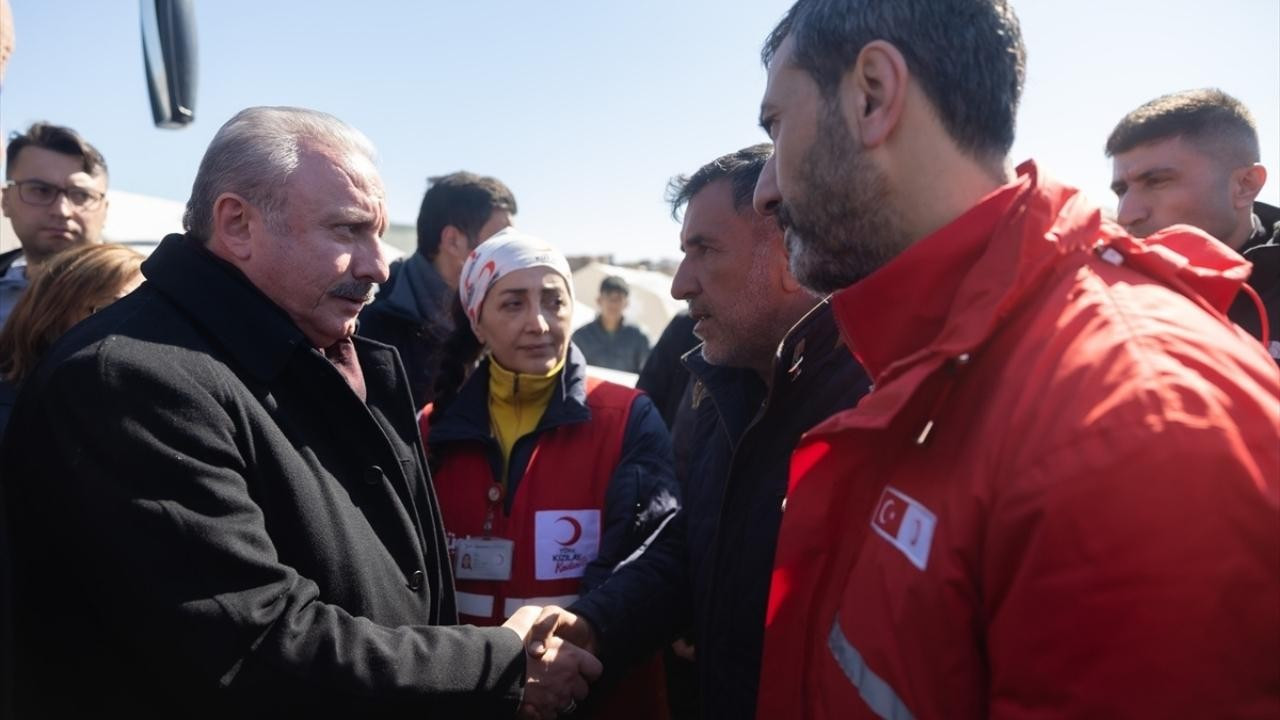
(1266, 228)
(941, 299)
(944, 296)
(735, 392)
(814, 336)
(946, 289)
(468, 417)
(8, 259)
(255, 331)
(419, 293)
(739, 392)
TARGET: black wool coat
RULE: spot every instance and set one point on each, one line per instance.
(207, 522)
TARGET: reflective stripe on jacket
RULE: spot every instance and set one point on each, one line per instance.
(1061, 498)
(592, 481)
(556, 510)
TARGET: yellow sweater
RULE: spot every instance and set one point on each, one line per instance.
(516, 404)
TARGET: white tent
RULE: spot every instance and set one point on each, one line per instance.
(651, 307)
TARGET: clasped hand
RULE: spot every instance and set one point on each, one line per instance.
(560, 663)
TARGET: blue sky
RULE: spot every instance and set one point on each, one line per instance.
(585, 108)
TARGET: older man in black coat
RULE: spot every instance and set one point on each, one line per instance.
(217, 496)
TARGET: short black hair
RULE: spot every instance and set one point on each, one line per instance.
(55, 138)
(461, 199)
(614, 284)
(1204, 116)
(968, 56)
(742, 168)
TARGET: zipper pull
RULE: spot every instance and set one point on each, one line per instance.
(958, 361)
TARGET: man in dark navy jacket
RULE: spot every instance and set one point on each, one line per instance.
(770, 367)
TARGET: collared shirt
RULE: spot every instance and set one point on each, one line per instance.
(12, 284)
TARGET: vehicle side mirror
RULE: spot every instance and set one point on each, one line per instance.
(169, 52)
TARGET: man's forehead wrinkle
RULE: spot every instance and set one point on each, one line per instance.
(358, 170)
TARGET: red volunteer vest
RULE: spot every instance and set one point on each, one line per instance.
(556, 518)
(556, 522)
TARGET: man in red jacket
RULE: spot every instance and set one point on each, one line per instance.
(1062, 498)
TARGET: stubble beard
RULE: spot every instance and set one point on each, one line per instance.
(839, 227)
(750, 333)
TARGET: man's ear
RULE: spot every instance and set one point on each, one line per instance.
(789, 282)
(773, 241)
(1246, 183)
(455, 241)
(873, 93)
(233, 225)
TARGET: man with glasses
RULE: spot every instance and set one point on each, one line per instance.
(55, 197)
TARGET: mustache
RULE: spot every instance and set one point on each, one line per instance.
(784, 216)
(354, 290)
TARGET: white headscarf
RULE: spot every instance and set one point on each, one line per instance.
(505, 252)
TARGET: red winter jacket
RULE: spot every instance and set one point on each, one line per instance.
(1060, 500)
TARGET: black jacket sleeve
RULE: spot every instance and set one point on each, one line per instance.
(636, 592)
(146, 469)
(642, 492)
(647, 601)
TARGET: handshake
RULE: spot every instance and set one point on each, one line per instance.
(560, 661)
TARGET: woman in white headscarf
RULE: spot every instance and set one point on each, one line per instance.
(547, 477)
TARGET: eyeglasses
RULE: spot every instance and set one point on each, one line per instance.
(41, 193)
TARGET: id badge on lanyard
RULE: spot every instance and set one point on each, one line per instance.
(488, 557)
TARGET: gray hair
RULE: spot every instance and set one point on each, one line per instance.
(253, 155)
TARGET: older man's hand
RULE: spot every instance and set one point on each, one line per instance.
(521, 622)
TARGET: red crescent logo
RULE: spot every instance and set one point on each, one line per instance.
(577, 530)
(469, 282)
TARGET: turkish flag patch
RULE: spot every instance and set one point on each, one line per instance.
(906, 524)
